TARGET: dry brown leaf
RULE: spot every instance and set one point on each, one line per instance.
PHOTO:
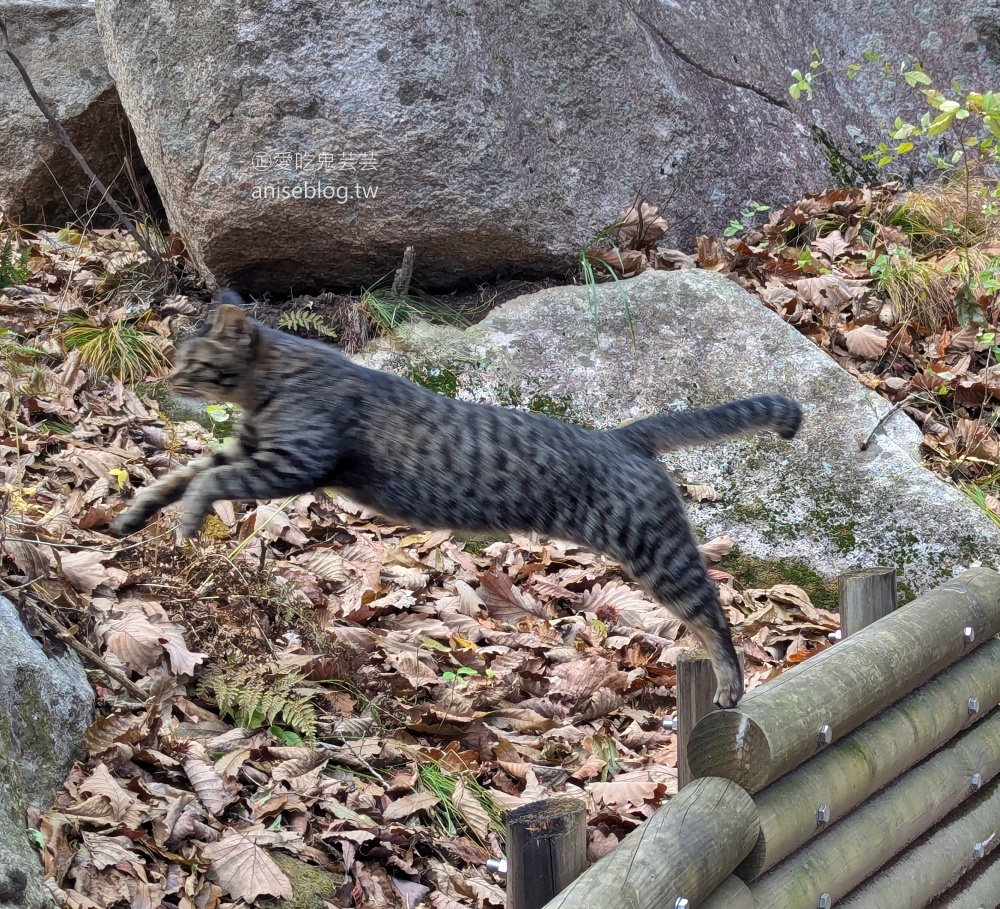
(833, 245)
(866, 342)
(108, 851)
(85, 570)
(506, 602)
(717, 549)
(244, 870)
(628, 792)
(140, 641)
(33, 560)
(214, 791)
(403, 807)
(702, 492)
(411, 893)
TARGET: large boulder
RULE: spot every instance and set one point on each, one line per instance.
(46, 703)
(40, 181)
(816, 506)
(495, 138)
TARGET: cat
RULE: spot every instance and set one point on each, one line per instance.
(312, 418)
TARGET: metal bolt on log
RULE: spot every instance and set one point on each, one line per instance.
(823, 815)
(825, 734)
(669, 723)
(825, 901)
(976, 782)
(682, 903)
(969, 634)
(973, 706)
(497, 866)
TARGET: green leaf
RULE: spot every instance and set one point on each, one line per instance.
(218, 413)
(968, 311)
(939, 124)
(884, 160)
(915, 77)
(904, 147)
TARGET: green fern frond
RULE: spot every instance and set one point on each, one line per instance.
(257, 697)
(306, 320)
(13, 271)
(11, 346)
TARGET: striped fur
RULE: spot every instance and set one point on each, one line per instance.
(312, 418)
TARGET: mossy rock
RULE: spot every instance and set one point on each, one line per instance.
(818, 501)
(753, 572)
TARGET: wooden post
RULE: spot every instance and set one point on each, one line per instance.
(684, 851)
(865, 595)
(795, 716)
(695, 689)
(546, 850)
(859, 765)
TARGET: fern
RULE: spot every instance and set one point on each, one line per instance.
(257, 697)
(11, 346)
(306, 320)
(12, 272)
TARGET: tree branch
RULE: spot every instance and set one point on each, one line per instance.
(65, 139)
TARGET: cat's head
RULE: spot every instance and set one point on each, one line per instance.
(216, 364)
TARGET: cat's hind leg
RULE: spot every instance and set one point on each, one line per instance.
(692, 597)
(645, 527)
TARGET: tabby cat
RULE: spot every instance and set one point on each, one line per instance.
(313, 418)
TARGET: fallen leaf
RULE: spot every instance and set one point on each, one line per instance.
(244, 870)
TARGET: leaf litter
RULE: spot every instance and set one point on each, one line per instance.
(319, 687)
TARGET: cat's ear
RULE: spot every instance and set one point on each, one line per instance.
(234, 324)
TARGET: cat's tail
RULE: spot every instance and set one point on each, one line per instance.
(667, 431)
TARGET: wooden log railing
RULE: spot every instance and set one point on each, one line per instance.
(683, 852)
(779, 725)
(867, 776)
(854, 768)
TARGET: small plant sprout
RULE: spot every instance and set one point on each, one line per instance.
(746, 218)
(803, 81)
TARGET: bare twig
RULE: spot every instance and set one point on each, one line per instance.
(154, 256)
(68, 638)
(909, 399)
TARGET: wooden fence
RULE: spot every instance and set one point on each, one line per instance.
(866, 776)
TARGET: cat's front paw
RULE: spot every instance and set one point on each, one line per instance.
(729, 692)
(190, 525)
(127, 523)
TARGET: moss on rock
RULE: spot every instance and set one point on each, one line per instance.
(753, 572)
